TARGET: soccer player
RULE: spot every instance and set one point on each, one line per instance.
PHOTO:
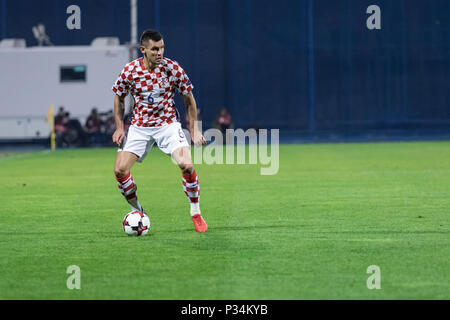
(152, 81)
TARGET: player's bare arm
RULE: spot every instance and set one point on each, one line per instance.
(191, 109)
(118, 117)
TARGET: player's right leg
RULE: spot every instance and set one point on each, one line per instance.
(124, 161)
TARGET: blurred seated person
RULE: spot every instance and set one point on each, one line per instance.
(75, 135)
(109, 123)
(61, 121)
(223, 120)
(59, 117)
(93, 127)
(69, 133)
(109, 126)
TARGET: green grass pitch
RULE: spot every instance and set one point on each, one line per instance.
(308, 232)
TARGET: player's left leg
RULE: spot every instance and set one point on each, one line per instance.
(191, 186)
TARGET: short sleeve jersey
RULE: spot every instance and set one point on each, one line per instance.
(153, 91)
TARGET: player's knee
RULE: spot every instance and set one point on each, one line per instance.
(120, 172)
(186, 167)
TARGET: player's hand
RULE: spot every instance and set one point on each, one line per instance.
(198, 138)
(118, 136)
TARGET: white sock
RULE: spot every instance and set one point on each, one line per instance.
(195, 208)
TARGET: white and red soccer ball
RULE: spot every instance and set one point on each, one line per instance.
(136, 223)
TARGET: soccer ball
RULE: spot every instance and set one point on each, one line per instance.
(136, 223)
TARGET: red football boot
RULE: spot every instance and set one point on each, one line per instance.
(199, 223)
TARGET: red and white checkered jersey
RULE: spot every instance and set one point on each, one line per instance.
(153, 91)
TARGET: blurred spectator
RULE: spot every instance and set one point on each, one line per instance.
(108, 128)
(98, 129)
(59, 116)
(68, 132)
(61, 120)
(223, 120)
(75, 136)
(94, 128)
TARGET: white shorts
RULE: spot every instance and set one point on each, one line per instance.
(140, 140)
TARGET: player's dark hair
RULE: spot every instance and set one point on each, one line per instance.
(150, 34)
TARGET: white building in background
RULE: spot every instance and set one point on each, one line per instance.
(76, 77)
